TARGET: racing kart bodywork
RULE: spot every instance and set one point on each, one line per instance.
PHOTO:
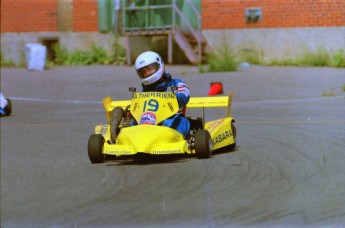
(149, 137)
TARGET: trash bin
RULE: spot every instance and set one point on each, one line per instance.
(35, 56)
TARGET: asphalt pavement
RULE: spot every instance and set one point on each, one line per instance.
(287, 171)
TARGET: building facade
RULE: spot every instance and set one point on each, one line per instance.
(275, 28)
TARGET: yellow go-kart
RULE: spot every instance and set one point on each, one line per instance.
(149, 137)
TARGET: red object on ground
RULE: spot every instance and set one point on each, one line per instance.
(216, 88)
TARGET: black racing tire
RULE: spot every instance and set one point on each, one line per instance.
(203, 144)
(8, 108)
(95, 147)
(116, 116)
(234, 133)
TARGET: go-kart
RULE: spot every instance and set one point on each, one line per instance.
(5, 106)
(149, 137)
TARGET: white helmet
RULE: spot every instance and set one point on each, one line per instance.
(150, 67)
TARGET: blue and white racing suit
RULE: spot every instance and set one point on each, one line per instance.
(181, 90)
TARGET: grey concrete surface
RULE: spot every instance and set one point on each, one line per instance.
(279, 43)
(13, 44)
(272, 44)
(288, 169)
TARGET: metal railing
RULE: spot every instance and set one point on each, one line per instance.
(146, 17)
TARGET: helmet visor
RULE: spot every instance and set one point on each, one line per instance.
(148, 70)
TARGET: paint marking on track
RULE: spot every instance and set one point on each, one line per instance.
(286, 101)
(290, 122)
(54, 101)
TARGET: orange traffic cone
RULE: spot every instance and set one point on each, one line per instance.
(216, 88)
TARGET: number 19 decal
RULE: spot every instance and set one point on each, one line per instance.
(151, 106)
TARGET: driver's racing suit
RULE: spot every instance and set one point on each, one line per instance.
(181, 90)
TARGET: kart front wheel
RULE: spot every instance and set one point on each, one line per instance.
(203, 144)
(95, 147)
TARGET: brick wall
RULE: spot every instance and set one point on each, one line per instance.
(85, 15)
(42, 16)
(28, 15)
(230, 14)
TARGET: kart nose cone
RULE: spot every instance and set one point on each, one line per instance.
(145, 138)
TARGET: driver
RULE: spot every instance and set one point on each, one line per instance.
(150, 69)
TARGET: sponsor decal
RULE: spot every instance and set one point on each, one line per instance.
(166, 151)
(119, 152)
(214, 124)
(148, 118)
(136, 105)
(153, 94)
(221, 137)
(171, 106)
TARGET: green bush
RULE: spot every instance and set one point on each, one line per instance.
(328, 94)
(339, 58)
(225, 59)
(251, 55)
(222, 59)
(61, 54)
(119, 53)
(6, 62)
(95, 56)
(319, 58)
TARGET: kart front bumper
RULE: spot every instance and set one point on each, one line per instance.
(147, 139)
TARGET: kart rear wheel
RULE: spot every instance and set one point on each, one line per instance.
(203, 144)
(233, 130)
(8, 108)
(95, 147)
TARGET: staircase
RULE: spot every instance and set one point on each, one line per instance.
(167, 19)
(194, 46)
